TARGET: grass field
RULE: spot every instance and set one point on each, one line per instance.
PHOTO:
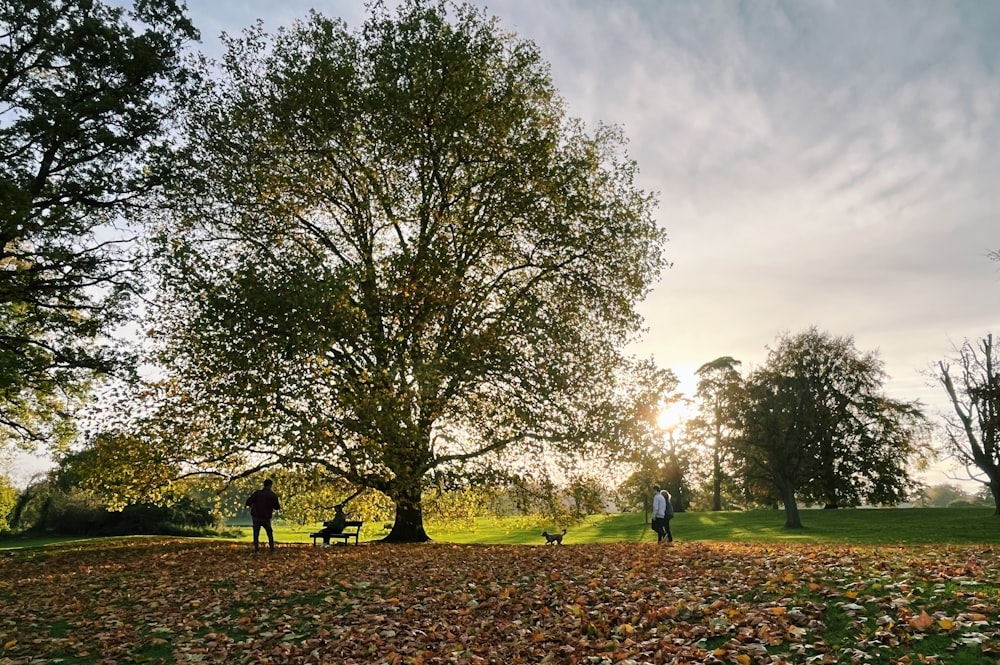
(912, 526)
(849, 527)
(885, 587)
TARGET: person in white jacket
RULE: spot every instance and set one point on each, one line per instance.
(668, 514)
(659, 514)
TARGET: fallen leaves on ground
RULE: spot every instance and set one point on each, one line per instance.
(204, 601)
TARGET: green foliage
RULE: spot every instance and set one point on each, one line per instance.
(717, 396)
(390, 255)
(8, 499)
(83, 96)
(51, 509)
(816, 425)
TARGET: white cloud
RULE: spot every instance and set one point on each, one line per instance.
(828, 163)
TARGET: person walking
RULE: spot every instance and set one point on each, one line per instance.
(668, 514)
(263, 503)
(659, 512)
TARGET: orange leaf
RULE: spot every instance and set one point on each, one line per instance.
(922, 622)
(9, 644)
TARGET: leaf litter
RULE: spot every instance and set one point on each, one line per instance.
(630, 603)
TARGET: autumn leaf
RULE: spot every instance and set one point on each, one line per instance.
(431, 604)
(922, 622)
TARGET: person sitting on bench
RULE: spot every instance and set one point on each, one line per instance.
(336, 525)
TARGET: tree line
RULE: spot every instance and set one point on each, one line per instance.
(386, 257)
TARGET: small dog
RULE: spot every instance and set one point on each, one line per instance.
(553, 538)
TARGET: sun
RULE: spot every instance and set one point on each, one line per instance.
(675, 415)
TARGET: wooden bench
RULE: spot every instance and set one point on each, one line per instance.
(351, 530)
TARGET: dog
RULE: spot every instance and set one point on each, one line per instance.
(553, 538)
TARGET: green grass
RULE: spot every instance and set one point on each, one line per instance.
(905, 526)
(908, 526)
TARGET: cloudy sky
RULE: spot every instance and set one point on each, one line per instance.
(821, 163)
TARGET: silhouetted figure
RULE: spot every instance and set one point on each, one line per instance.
(263, 503)
(336, 525)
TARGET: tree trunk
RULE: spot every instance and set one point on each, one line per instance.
(792, 519)
(995, 491)
(409, 524)
(716, 475)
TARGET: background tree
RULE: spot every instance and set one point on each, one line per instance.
(391, 254)
(83, 96)
(972, 432)
(816, 423)
(943, 496)
(587, 492)
(8, 499)
(717, 394)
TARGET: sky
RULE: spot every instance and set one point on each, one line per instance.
(817, 163)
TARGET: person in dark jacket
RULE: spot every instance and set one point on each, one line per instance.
(336, 525)
(263, 503)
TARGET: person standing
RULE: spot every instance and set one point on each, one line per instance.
(263, 503)
(668, 514)
(659, 513)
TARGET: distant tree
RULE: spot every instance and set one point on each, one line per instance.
(8, 499)
(678, 462)
(85, 92)
(816, 425)
(587, 492)
(391, 255)
(973, 432)
(942, 496)
(718, 392)
(653, 392)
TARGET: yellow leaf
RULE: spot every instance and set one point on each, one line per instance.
(851, 594)
(946, 623)
(743, 659)
(9, 644)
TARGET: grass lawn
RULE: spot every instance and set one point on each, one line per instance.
(849, 527)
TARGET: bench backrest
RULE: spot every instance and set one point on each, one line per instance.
(355, 524)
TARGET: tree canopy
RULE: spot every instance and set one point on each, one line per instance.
(817, 426)
(84, 92)
(391, 254)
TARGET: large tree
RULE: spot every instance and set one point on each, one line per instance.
(392, 254)
(84, 91)
(818, 426)
(973, 432)
(717, 394)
